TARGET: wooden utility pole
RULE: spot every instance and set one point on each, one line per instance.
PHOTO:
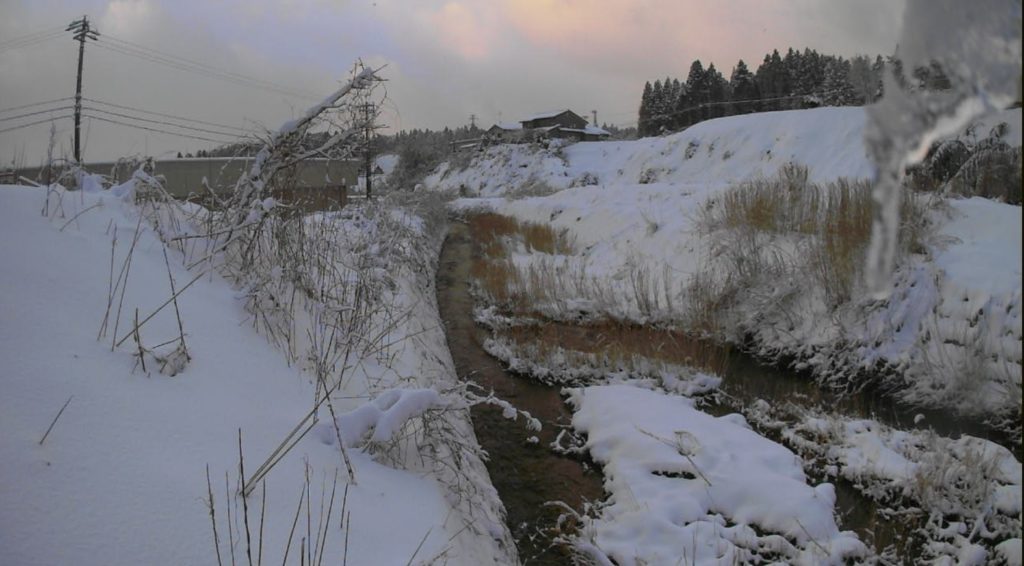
(82, 31)
(369, 109)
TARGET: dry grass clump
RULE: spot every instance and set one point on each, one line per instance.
(831, 224)
(622, 345)
(498, 278)
(785, 203)
(844, 229)
(495, 235)
(490, 229)
(544, 239)
(493, 232)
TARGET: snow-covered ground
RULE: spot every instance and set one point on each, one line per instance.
(635, 207)
(122, 476)
(684, 484)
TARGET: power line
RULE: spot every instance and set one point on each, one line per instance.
(171, 116)
(13, 108)
(178, 63)
(189, 68)
(138, 118)
(156, 52)
(36, 113)
(136, 126)
(12, 128)
(30, 42)
(29, 36)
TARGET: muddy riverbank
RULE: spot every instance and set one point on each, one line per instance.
(526, 473)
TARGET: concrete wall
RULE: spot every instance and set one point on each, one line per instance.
(185, 176)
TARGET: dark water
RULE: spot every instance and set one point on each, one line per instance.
(528, 475)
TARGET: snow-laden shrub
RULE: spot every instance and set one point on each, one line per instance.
(992, 172)
(584, 180)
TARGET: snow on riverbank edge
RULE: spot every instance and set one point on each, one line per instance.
(686, 485)
(121, 477)
(949, 335)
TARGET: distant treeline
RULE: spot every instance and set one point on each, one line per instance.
(797, 80)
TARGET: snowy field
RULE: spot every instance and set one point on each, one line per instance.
(122, 476)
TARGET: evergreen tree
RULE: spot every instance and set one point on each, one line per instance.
(837, 88)
(878, 69)
(698, 89)
(862, 78)
(812, 73)
(744, 89)
(657, 107)
(793, 66)
(717, 92)
(681, 114)
(771, 80)
(643, 123)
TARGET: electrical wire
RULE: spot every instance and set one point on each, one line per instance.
(187, 68)
(36, 113)
(31, 36)
(136, 126)
(161, 122)
(171, 116)
(13, 108)
(28, 43)
(158, 53)
(55, 118)
(202, 70)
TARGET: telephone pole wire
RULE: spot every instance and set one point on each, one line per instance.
(82, 31)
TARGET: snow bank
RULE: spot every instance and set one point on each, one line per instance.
(121, 478)
(964, 493)
(686, 485)
(951, 324)
(716, 152)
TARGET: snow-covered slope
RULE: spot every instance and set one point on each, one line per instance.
(122, 476)
(952, 321)
(714, 152)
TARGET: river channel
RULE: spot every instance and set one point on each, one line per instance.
(528, 474)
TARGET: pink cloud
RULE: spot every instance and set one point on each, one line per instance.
(462, 30)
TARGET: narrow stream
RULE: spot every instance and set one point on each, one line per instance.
(527, 475)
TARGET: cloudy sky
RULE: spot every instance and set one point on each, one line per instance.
(446, 59)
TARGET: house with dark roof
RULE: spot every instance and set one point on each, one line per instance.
(560, 118)
(504, 133)
(564, 124)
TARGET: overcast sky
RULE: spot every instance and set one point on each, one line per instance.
(447, 59)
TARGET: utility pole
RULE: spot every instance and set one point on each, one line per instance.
(369, 109)
(82, 31)
(594, 112)
(472, 121)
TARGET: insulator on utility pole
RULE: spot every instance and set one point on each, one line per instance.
(82, 31)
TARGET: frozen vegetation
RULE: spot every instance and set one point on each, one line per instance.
(650, 225)
(730, 229)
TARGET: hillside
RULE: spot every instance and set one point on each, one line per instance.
(642, 207)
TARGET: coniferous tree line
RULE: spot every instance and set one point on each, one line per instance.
(782, 82)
